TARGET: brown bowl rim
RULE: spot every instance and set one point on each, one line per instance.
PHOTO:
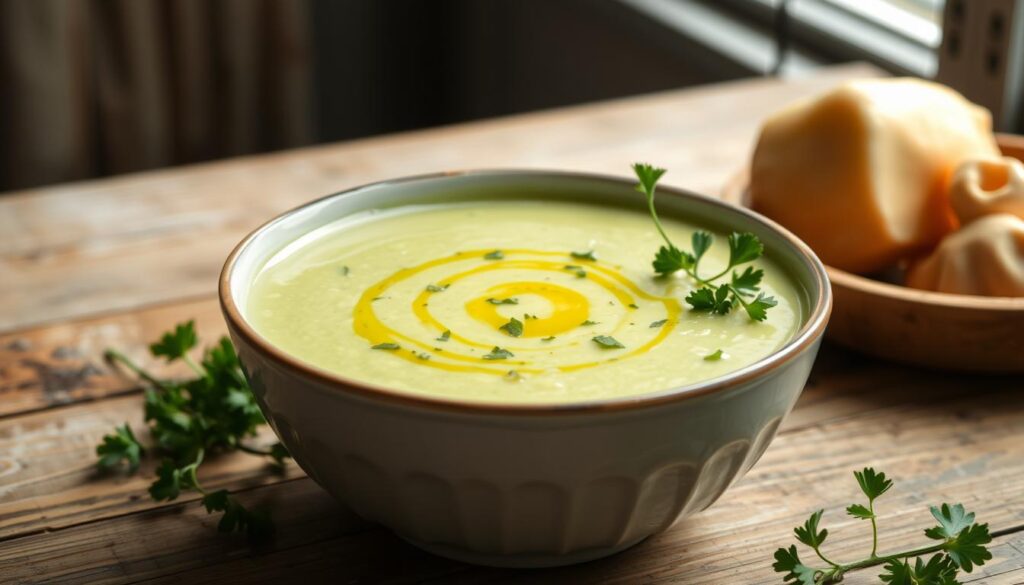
(906, 294)
(805, 337)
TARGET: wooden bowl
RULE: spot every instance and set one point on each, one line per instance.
(936, 330)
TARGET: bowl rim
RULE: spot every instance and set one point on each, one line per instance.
(917, 296)
(804, 338)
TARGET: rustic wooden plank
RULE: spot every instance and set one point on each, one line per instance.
(83, 248)
(959, 448)
(49, 479)
(63, 363)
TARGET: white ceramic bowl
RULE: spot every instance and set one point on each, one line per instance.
(523, 485)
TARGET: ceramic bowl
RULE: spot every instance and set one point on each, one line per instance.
(523, 485)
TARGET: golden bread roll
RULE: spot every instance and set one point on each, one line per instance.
(985, 187)
(862, 172)
(985, 257)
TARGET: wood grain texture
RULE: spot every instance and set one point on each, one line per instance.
(77, 249)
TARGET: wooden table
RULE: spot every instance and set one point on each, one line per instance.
(115, 262)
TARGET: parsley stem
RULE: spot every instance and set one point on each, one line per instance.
(826, 559)
(891, 557)
(657, 222)
(874, 528)
(190, 472)
(195, 368)
(116, 357)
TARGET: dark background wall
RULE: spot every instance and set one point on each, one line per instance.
(399, 64)
(98, 87)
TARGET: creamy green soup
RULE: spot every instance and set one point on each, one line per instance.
(426, 299)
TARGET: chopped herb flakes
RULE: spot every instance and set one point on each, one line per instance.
(387, 346)
(657, 324)
(435, 288)
(423, 356)
(343, 270)
(588, 255)
(607, 342)
(498, 354)
(714, 357)
(495, 255)
(445, 336)
(552, 338)
(508, 301)
(632, 306)
(588, 323)
(514, 327)
(513, 376)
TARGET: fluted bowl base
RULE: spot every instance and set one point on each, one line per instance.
(521, 561)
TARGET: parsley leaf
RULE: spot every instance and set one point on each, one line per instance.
(670, 259)
(872, 483)
(743, 248)
(713, 299)
(495, 255)
(437, 288)
(809, 533)
(588, 255)
(552, 338)
(657, 324)
(588, 323)
(445, 336)
(796, 573)
(175, 344)
(859, 511)
(700, 241)
(121, 446)
(748, 282)
(514, 327)
(758, 308)
(963, 539)
(388, 346)
(607, 342)
(714, 357)
(498, 353)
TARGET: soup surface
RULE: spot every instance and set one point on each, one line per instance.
(423, 298)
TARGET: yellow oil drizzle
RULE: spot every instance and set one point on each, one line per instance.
(568, 310)
(568, 307)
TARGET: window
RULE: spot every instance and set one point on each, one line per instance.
(920, 20)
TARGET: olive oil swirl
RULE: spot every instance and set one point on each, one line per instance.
(569, 310)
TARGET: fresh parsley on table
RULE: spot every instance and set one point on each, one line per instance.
(961, 545)
(190, 421)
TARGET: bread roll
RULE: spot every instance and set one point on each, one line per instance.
(985, 187)
(985, 257)
(862, 173)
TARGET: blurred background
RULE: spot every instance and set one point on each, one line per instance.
(90, 88)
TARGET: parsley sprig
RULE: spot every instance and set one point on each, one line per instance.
(189, 420)
(743, 289)
(961, 545)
